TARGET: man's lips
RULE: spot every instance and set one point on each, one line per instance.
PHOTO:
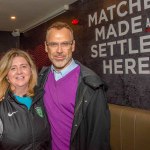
(59, 57)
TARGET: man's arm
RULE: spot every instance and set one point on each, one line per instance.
(98, 120)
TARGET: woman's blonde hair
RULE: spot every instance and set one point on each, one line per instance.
(5, 65)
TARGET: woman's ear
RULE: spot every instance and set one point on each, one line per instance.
(7, 78)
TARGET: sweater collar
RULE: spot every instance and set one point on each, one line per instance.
(60, 74)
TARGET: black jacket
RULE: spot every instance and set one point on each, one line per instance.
(91, 124)
(23, 129)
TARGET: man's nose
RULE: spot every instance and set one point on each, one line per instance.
(59, 48)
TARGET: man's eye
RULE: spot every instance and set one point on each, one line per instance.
(53, 44)
(65, 44)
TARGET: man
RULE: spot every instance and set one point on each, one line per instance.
(74, 96)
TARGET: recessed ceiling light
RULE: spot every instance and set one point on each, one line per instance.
(13, 17)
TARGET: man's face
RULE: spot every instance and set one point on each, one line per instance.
(59, 46)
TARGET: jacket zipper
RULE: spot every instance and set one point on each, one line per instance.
(30, 120)
(78, 106)
(76, 110)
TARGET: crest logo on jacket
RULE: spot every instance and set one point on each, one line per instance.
(39, 111)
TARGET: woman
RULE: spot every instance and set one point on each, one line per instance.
(23, 123)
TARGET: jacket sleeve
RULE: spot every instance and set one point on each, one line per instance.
(98, 121)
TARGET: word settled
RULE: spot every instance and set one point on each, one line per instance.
(121, 46)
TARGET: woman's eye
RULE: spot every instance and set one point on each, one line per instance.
(12, 68)
(24, 66)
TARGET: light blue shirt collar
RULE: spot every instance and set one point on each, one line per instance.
(60, 74)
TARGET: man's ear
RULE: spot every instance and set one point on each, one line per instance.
(73, 46)
(46, 50)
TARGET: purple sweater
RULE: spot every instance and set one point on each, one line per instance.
(59, 100)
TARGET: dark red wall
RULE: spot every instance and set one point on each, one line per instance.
(128, 76)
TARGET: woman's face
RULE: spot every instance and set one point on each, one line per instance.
(19, 73)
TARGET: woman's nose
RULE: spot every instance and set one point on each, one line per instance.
(19, 70)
